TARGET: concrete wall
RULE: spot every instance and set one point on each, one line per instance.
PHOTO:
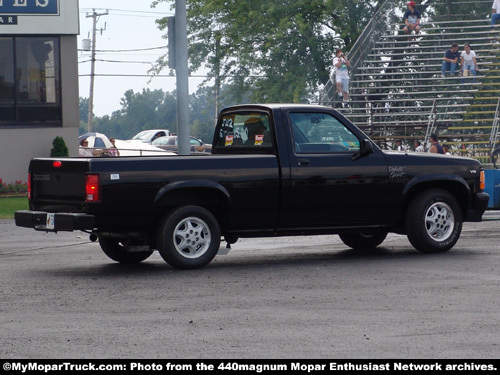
(19, 146)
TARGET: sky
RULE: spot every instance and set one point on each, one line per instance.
(129, 25)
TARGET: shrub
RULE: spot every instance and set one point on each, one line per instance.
(59, 148)
(16, 187)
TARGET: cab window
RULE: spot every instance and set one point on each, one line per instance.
(321, 133)
(244, 131)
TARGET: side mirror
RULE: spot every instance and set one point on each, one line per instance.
(365, 149)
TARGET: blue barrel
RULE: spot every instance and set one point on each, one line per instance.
(492, 177)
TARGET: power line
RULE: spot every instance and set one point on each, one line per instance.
(117, 61)
(123, 61)
(139, 75)
(134, 12)
(126, 50)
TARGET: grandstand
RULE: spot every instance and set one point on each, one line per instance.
(397, 91)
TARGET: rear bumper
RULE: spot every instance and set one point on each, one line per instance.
(479, 205)
(59, 222)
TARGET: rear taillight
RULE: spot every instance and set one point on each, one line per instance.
(29, 186)
(92, 188)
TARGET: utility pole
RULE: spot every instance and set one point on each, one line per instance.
(217, 74)
(94, 15)
(182, 74)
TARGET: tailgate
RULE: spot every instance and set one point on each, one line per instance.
(58, 184)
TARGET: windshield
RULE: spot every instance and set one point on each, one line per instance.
(142, 135)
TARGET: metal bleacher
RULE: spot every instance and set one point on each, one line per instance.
(398, 93)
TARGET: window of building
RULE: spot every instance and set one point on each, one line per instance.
(30, 82)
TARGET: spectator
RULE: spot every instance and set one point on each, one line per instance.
(446, 150)
(412, 20)
(468, 63)
(419, 147)
(83, 149)
(341, 64)
(399, 145)
(450, 60)
(113, 151)
(436, 148)
(495, 12)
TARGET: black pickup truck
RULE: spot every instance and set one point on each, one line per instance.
(274, 170)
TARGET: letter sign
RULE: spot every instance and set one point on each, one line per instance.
(29, 6)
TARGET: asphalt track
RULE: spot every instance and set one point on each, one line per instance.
(297, 297)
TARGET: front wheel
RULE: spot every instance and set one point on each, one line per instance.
(363, 241)
(189, 237)
(434, 221)
(120, 251)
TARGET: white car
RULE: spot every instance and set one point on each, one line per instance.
(148, 136)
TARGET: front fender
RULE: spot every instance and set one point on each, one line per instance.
(435, 180)
(456, 185)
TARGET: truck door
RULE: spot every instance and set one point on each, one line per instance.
(326, 187)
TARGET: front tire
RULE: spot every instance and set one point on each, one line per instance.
(119, 251)
(363, 241)
(189, 237)
(434, 221)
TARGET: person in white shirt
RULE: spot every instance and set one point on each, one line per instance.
(495, 12)
(340, 64)
(468, 63)
(419, 147)
(399, 145)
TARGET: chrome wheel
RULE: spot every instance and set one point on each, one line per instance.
(439, 221)
(434, 221)
(188, 237)
(192, 237)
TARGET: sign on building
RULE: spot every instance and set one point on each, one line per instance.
(39, 17)
(29, 7)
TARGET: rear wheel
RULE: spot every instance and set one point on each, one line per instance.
(189, 237)
(434, 221)
(363, 241)
(120, 251)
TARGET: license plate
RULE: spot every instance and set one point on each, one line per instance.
(50, 221)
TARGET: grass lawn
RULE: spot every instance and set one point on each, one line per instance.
(11, 204)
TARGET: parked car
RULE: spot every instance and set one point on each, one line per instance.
(170, 143)
(148, 136)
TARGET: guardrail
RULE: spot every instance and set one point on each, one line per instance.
(100, 152)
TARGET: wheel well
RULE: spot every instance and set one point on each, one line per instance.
(211, 199)
(456, 189)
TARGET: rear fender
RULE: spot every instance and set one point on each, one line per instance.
(208, 194)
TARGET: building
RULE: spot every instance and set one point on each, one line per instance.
(38, 81)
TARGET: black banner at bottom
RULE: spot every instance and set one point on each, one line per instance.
(249, 366)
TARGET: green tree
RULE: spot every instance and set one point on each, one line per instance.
(278, 50)
(149, 109)
(84, 110)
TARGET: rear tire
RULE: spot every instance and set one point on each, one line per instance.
(363, 241)
(434, 221)
(189, 237)
(119, 251)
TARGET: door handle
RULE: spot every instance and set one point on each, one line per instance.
(303, 162)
